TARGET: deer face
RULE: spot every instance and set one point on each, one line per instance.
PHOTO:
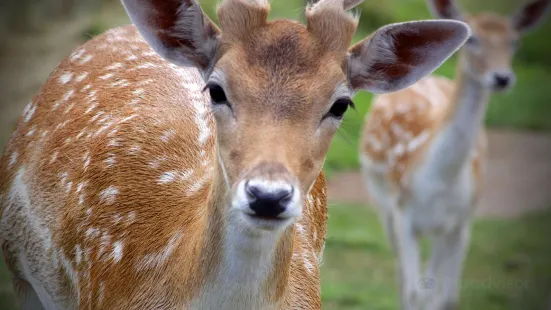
(277, 105)
(490, 49)
(279, 89)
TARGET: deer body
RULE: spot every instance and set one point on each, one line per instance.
(175, 165)
(130, 146)
(423, 151)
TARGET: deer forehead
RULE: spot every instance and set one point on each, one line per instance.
(492, 26)
(279, 66)
(280, 51)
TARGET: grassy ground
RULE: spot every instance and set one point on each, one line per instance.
(507, 267)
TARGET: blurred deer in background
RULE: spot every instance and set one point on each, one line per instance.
(423, 152)
(133, 182)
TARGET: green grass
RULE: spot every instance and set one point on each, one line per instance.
(507, 265)
(7, 298)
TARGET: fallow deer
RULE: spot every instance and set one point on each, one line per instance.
(423, 150)
(176, 165)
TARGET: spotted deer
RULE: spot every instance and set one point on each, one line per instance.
(423, 150)
(173, 164)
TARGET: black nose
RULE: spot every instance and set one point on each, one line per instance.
(268, 203)
(502, 81)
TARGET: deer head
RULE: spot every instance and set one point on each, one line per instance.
(494, 40)
(279, 89)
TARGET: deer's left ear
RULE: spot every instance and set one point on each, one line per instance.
(530, 15)
(177, 30)
(399, 55)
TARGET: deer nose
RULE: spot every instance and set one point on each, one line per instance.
(268, 199)
(502, 81)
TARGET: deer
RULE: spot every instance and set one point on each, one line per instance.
(177, 164)
(422, 154)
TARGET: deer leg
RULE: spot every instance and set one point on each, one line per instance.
(406, 246)
(446, 266)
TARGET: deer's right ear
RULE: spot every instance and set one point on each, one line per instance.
(445, 9)
(177, 30)
(399, 55)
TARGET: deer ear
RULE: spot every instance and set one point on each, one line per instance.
(177, 30)
(399, 55)
(530, 15)
(445, 9)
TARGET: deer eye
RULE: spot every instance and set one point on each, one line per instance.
(339, 107)
(217, 94)
(472, 41)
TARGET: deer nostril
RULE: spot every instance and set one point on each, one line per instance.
(502, 80)
(268, 201)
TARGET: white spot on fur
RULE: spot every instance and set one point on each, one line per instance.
(145, 82)
(117, 251)
(63, 178)
(29, 112)
(195, 187)
(92, 232)
(106, 76)
(81, 186)
(66, 78)
(68, 186)
(109, 195)
(307, 263)
(77, 54)
(135, 149)
(168, 134)
(95, 117)
(126, 119)
(91, 107)
(85, 59)
(31, 131)
(138, 92)
(131, 218)
(146, 65)
(417, 141)
(155, 260)
(117, 218)
(78, 254)
(114, 66)
(110, 161)
(155, 164)
(81, 77)
(399, 149)
(87, 159)
(171, 176)
(13, 159)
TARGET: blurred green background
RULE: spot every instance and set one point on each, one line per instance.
(508, 266)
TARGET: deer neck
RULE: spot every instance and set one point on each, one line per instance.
(246, 266)
(461, 125)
